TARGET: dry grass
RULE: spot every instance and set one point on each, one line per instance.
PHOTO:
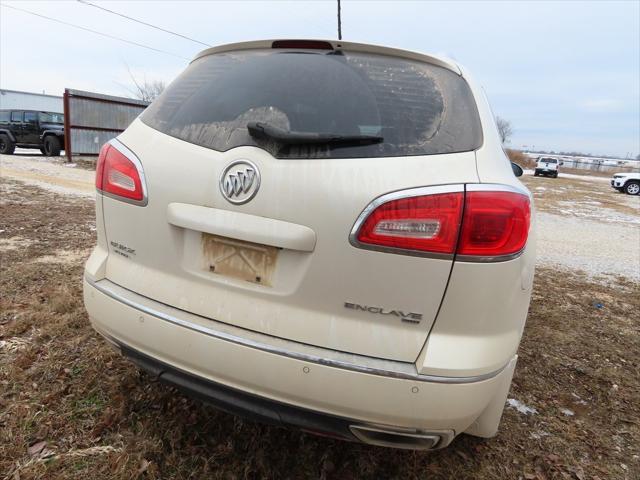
(581, 197)
(100, 418)
(516, 156)
(590, 173)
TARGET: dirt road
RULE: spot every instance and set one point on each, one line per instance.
(51, 174)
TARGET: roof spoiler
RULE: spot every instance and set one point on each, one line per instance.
(315, 44)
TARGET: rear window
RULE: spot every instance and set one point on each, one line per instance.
(549, 160)
(417, 108)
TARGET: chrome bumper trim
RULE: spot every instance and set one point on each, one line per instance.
(330, 358)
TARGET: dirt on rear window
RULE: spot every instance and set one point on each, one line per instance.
(417, 108)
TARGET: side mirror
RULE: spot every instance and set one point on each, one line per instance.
(517, 169)
(561, 163)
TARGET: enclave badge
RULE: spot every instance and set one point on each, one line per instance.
(410, 317)
(240, 181)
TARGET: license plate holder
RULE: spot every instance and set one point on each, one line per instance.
(239, 259)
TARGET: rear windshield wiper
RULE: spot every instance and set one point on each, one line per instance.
(264, 131)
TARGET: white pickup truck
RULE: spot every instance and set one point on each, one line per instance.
(627, 182)
(547, 166)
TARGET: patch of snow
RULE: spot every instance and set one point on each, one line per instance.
(539, 435)
(585, 210)
(521, 407)
(578, 400)
(588, 178)
(567, 413)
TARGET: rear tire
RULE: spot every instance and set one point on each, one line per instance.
(42, 151)
(555, 175)
(52, 146)
(7, 147)
(632, 188)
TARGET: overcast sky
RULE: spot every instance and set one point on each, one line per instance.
(567, 74)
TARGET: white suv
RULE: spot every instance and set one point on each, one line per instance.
(627, 182)
(322, 234)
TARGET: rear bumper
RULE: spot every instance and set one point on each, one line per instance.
(238, 402)
(273, 386)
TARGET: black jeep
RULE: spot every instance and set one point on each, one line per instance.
(31, 129)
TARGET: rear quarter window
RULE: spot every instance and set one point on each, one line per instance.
(418, 108)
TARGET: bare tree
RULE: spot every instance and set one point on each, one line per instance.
(504, 129)
(149, 90)
(146, 90)
(638, 157)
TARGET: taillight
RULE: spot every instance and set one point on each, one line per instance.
(119, 174)
(427, 223)
(100, 165)
(487, 222)
(495, 224)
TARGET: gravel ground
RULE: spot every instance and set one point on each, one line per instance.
(50, 173)
(591, 246)
(585, 225)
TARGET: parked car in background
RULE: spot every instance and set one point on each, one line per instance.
(31, 129)
(322, 234)
(547, 166)
(627, 182)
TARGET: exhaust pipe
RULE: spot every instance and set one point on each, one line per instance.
(405, 438)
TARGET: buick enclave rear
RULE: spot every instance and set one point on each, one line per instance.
(321, 234)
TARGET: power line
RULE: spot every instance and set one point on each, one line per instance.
(93, 31)
(84, 2)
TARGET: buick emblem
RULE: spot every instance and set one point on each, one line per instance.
(240, 181)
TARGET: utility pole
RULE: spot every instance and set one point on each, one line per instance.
(339, 23)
